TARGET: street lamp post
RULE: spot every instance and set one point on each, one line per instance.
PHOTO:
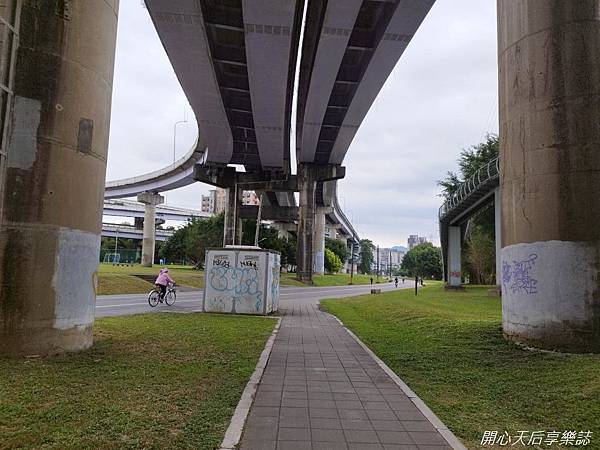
(378, 263)
(175, 135)
(116, 244)
(351, 261)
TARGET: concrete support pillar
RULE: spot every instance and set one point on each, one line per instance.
(232, 234)
(150, 201)
(306, 223)
(319, 242)
(53, 180)
(498, 234)
(340, 237)
(549, 82)
(454, 257)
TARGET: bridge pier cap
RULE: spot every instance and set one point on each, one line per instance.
(549, 82)
(53, 178)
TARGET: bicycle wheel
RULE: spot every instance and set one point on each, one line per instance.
(170, 297)
(153, 298)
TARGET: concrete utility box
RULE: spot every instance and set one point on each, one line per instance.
(241, 280)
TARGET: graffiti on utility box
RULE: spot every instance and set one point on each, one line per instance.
(241, 281)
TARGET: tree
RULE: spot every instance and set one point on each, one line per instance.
(339, 248)
(480, 256)
(423, 260)
(192, 240)
(469, 162)
(366, 256)
(332, 262)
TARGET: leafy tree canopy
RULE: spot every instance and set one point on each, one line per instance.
(332, 262)
(339, 248)
(470, 160)
(366, 256)
(424, 260)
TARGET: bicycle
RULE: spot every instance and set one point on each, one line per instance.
(169, 298)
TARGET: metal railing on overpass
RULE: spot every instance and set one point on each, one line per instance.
(471, 191)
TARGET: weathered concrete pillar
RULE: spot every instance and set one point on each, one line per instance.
(150, 200)
(319, 242)
(498, 234)
(232, 234)
(306, 223)
(53, 185)
(454, 259)
(549, 81)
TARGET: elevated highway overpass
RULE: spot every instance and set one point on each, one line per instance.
(236, 63)
(131, 208)
(131, 232)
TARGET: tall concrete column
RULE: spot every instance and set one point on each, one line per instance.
(454, 258)
(306, 223)
(54, 176)
(498, 234)
(232, 234)
(549, 81)
(150, 200)
(319, 242)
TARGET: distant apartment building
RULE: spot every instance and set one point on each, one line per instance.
(250, 198)
(390, 259)
(209, 202)
(414, 240)
(215, 201)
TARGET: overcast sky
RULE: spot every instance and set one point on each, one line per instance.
(441, 97)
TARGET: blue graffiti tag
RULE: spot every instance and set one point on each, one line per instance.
(239, 281)
(275, 281)
(506, 272)
(517, 276)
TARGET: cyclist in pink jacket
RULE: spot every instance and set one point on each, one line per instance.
(162, 281)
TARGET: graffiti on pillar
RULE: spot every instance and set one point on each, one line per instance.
(275, 268)
(518, 275)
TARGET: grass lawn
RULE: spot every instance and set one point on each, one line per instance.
(151, 381)
(448, 347)
(126, 280)
(338, 279)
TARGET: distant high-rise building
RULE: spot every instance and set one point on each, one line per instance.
(215, 201)
(209, 202)
(414, 240)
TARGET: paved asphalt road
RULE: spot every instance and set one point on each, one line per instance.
(191, 301)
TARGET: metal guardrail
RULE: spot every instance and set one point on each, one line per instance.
(485, 174)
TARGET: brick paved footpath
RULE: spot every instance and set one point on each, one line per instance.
(322, 390)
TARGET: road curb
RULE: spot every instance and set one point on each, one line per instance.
(236, 426)
(441, 428)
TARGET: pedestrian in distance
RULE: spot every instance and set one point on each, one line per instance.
(396, 281)
(371, 280)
